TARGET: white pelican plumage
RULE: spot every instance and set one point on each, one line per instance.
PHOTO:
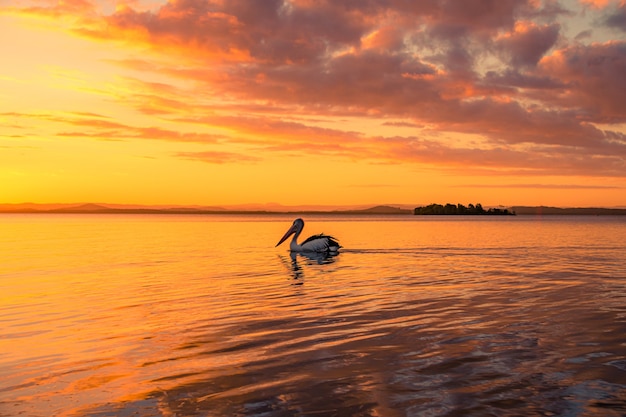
(317, 243)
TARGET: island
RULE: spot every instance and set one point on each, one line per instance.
(460, 209)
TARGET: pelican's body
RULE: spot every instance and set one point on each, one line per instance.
(317, 243)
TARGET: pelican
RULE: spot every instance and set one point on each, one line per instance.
(317, 243)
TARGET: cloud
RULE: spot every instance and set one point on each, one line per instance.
(217, 157)
(97, 126)
(130, 132)
(594, 75)
(501, 70)
(564, 156)
(528, 42)
(585, 34)
(617, 18)
(543, 186)
(55, 9)
(597, 4)
(512, 79)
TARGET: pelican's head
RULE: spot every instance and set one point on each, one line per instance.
(296, 227)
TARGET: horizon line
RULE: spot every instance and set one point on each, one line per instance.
(270, 208)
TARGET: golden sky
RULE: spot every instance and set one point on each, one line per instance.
(224, 102)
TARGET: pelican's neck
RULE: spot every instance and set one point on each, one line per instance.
(293, 245)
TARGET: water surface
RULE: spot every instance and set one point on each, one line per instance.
(167, 315)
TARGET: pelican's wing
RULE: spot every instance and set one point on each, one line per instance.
(321, 243)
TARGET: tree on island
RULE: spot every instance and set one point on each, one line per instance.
(460, 209)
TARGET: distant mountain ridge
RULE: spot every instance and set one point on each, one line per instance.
(544, 210)
(95, 207)
(102, 208)
(272, 208)
(379, 210)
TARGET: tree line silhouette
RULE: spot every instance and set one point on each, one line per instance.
(460, 209)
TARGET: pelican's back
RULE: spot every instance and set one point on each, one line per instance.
(321, 243)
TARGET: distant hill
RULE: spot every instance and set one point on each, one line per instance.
(543, 210)
(29, 207)
(101, 208)
(377, 210)
(91, 208)
(83, 208)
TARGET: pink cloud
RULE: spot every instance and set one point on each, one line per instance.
(598, 4)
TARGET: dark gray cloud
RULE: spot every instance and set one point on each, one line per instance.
(617, 19)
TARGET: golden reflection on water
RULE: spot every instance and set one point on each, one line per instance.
(201, 315)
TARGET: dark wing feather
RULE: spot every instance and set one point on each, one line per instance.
(331, 241)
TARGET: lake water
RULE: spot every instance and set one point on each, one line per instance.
(132, 315)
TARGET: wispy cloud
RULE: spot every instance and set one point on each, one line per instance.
(217, 157)
(544, 186)
(100, 127)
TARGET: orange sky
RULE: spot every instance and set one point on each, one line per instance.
(216, 102)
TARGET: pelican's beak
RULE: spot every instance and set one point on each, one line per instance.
(291, 231)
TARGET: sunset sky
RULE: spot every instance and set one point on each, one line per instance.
(224, 102)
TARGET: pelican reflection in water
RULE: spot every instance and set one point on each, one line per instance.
(294, 265)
